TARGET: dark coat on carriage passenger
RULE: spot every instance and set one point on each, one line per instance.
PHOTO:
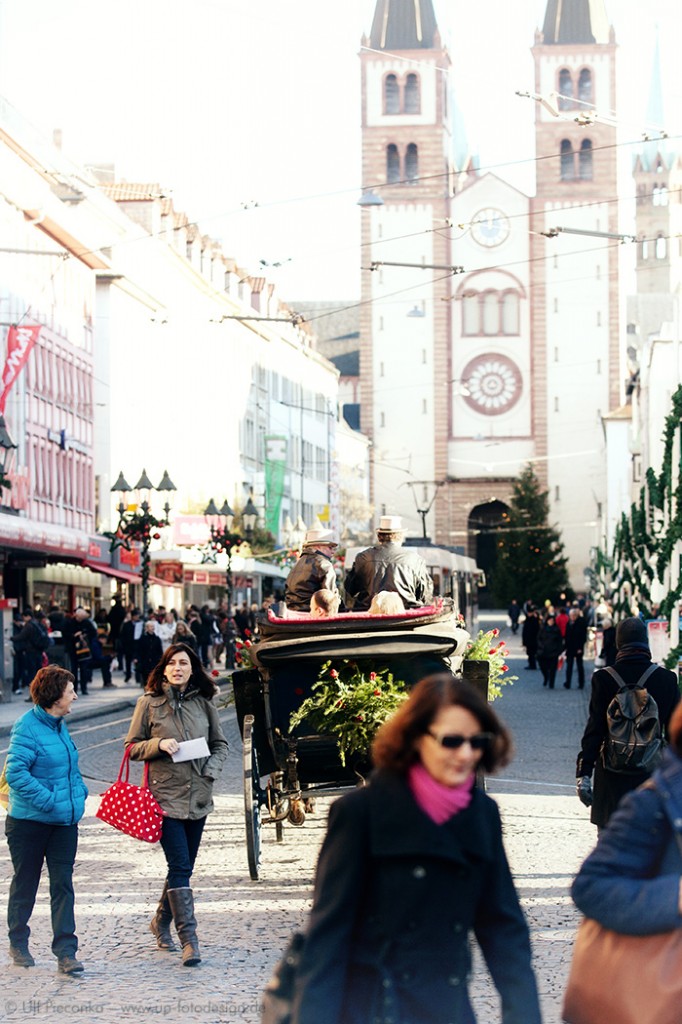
(395, 898)
(313, 571)
(389, 567)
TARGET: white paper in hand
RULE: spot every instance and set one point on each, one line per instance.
(191, 750)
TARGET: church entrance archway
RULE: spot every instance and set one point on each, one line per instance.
(485, 522)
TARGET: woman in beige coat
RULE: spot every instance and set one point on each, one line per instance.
(177, 706)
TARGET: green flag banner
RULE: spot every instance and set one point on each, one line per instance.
(275, 468)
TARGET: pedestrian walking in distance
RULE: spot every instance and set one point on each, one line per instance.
(412, 864)
(177, 705)
(46, 802)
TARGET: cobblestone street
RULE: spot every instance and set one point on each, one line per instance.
(243, 925)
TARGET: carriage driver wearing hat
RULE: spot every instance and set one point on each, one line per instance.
(313, 571)
(388, 566)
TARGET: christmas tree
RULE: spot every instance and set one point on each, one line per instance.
(530, 559)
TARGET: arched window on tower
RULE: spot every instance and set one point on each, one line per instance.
(510, 313)
(491, 313)
(392, 164)
(567, 163)
(585, 86)
(470, 313)
(586, 160)
(412, 99)
(391, 95)
(661, 247)
(565, 90)
(660, 196)
(412, 163)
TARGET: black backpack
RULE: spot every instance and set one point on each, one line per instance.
(633, 743)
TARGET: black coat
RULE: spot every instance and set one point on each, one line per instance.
(388, 567)
(529, 633)
(550, 641)
(610, 787)
(396, 897)
(576, 636)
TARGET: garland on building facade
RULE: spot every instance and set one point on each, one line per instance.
(646, 538)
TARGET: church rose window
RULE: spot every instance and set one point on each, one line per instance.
(493, 384)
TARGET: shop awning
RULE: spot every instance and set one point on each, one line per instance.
(118, 574)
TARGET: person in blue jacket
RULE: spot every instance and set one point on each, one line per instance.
(46, 802)
(632, 881)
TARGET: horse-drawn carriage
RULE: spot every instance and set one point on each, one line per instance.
(287, 662)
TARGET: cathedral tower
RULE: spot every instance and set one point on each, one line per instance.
(575, 253)
(405, 320)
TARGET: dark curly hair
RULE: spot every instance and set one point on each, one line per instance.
(199, 678)
(394, 744)
(49, 684)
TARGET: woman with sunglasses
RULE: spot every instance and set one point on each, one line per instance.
(411, 865)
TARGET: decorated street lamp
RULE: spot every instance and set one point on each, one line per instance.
(223, 539)
(136, 522)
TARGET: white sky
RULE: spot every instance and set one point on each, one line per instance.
(232, 101)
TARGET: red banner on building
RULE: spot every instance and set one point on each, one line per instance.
(20, 341)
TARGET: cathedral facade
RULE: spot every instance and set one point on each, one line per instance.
(490, 326)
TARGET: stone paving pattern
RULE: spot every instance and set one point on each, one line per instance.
(244, 925)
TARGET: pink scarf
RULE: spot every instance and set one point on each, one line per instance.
(438, 801)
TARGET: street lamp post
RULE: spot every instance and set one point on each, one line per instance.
(136, 521)
(223, 539)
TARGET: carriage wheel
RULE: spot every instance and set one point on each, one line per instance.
(252, 799)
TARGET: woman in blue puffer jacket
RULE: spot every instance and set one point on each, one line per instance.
(46, 802)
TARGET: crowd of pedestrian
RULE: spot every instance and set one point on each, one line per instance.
(420, 828)
(123, 638)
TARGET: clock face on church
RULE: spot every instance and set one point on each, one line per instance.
(489, 227)
(493, 384)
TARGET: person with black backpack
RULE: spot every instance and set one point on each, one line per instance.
(630, 709)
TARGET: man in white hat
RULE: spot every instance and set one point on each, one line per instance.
(313, 571)
(389, 566)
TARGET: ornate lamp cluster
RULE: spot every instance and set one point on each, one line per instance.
(136, 522)
(226, 540)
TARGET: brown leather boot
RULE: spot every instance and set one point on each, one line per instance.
(182, 907)
(161, 922)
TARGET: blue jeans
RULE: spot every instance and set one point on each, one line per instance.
(180, 840)
(31, 843)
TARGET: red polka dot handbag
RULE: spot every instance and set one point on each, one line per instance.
(132, 809)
